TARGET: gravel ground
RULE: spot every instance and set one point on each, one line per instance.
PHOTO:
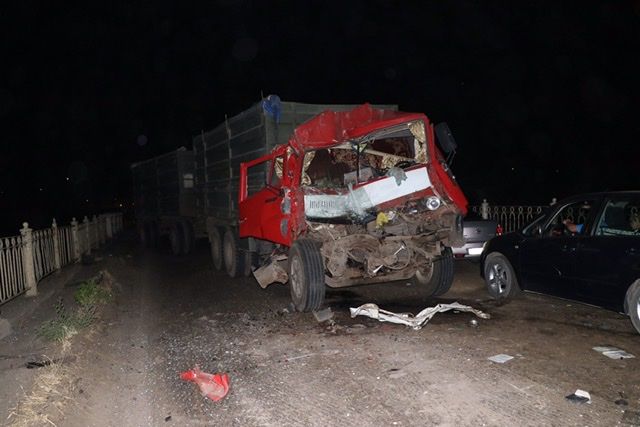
(287, 369)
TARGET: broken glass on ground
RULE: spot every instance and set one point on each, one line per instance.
(613, 352)
(500, 358)
(415, 322)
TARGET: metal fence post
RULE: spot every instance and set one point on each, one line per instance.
(56, 245)
(87, 233)
(103, 229)
(484, 209)
(27, 260)
(74, 239)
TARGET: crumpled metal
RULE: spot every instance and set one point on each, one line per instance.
(415, 322)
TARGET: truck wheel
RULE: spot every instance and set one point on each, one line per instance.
(148, 234)
(500, 277)
(250, 262)
(216, 247)
(440, 278)
(306, 275)
(153, 234)
(176, 236)
(187, 236)
(234, 258)
(633, 304)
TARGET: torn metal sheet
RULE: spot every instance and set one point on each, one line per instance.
(270, 273)
(613, 352)
(415, 322)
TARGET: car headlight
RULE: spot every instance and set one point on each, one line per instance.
(432, 203)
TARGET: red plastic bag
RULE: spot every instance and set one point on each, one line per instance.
(213, 386)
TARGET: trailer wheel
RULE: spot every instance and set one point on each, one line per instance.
(176, 237)
(148, 234)
(216, 247)
(306, 275)
(188, 237)
(439, 280)
(234, 258)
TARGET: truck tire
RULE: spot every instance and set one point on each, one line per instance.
(216, 248)
(148, 234)
(188, 238)
(250, 262)
(234, 258)
(632, 304)
(500, 277)
(439, 281)
(176, 237)
(306, 275)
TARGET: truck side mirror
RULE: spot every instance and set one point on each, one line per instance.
(445, 138)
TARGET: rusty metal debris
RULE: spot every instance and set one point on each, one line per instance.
(415, 322)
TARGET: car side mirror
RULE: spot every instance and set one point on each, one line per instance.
(445, 138)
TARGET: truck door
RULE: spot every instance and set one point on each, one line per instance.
(264, 212)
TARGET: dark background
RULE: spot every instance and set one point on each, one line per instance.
(541, 96)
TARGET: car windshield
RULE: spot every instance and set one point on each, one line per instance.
(532, 228)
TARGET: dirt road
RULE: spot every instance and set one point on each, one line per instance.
(287, 369)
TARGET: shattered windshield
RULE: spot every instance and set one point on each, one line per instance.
(374, 155)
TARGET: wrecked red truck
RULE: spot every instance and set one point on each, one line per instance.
(312, 195)
(354, 197)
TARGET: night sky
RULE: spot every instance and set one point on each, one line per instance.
(542, 97)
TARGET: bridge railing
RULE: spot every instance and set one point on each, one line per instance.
(511, 217)
(28, 258)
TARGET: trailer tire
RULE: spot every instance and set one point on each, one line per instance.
(441, 278)
(148, 234)
(234, 258)
(216, 248)
(306, 275)
(188, 237)
(176, 237)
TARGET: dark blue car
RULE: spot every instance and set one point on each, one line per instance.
(585, 248)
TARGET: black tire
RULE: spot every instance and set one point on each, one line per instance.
(632, 303)
(250, 262)
(500, 277)
(439, 281)
(216, 248)
(233, 256)
(148, 234)
(176, 238)
(188, 237)
(306, 275)
(143, 234)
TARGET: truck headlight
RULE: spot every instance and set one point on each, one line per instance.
(432, 203)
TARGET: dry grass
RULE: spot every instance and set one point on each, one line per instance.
(53, 386)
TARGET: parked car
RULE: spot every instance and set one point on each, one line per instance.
(476, 232)
(585, 248)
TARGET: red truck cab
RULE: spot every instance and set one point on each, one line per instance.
(364, 196)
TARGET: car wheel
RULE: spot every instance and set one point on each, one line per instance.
(633, 304)
(306, 275)
(439, 279)
(176, 237)
(500, 277)
(216, 248)
(188, 236)
(232, 255)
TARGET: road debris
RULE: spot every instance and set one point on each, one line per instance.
(323, 315)
(415, 322)
(500, 358)
(613, 352)
(579, 396)
(213, 386)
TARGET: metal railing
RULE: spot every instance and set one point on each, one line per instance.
(510, 217)
(28, 258)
